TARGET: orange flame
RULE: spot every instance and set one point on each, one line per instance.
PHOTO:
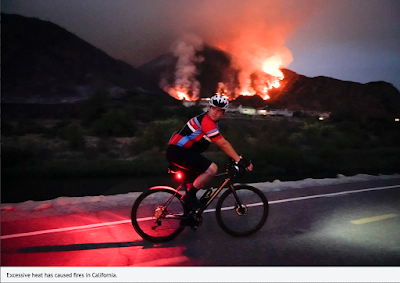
(222, 90)
(258, 82)
(268, 79)
(271, 66)
(178, 93)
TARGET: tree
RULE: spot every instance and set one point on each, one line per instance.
(93, 108)
(73, 133)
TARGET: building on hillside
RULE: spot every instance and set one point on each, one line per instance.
(245, 110)
(321, 114)
(188, 103)
(263, 112)
(279, 112)
(203, 102)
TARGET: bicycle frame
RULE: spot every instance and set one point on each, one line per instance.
(215, 193)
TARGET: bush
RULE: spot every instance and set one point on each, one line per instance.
(73, 133)
(318, 134)
(14, 155)
(236, 135)
(18, 154)
(22, 126)
(93, 108)
(285, 157)
(158, 133)
(115, 123)
(7, 129)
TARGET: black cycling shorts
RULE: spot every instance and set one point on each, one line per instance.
(187, 158)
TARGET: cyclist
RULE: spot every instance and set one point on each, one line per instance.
(185, 147)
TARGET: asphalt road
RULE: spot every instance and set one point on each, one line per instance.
(354, 224)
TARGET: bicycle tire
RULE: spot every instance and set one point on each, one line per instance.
(239, 222)
(144, 220)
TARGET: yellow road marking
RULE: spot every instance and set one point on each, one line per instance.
(374, 218)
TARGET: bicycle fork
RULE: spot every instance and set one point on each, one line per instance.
(240, 208)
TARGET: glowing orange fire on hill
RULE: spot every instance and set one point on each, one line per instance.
(258, 83)
(180, 94)
(260, 76)
(264, 80)
(258, 86)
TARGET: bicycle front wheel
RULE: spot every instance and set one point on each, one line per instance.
(156, 215)
(243, 212)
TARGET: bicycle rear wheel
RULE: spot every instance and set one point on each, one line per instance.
(244, 216)
(156, 215)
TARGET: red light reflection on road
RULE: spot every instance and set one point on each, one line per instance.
(85, 243)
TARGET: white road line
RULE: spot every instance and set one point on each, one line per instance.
(66, 229)
(333, 194)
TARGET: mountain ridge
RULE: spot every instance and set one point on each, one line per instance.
(296, 92)
(45, 63)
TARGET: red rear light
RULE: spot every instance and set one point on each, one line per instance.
(179, 175)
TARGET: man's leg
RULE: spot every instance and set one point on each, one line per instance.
(195, 162)
(204, 178)
(200, 182)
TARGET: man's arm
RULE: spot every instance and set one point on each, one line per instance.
(228, 149)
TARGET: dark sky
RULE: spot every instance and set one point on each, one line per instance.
(354, 40)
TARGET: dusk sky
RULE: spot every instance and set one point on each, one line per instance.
(352, 40)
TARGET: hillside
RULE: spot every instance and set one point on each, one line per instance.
(297, 92)
(44, 63)
(377, 99)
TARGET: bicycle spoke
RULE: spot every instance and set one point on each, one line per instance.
(245, 219)
(155, 221)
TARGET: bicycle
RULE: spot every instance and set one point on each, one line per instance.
(158, 215)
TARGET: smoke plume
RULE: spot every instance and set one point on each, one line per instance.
(253, 32)
(186, 86)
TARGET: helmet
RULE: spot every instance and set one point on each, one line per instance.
(219, 101)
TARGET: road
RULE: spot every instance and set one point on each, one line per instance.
(353, 224)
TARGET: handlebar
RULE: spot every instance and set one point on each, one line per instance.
(233, 170)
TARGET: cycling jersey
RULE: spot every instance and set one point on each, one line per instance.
(197, 134)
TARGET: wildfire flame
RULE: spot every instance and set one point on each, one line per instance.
(271, 66)
(179, 94)
(267, 79)
(260, 87)
(261, 76)
(222, 90)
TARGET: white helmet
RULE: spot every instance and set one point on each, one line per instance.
(219, 101)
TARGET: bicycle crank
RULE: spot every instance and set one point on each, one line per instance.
(194, 220)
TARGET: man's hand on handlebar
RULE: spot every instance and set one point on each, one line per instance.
(246, 164)
(250, 167)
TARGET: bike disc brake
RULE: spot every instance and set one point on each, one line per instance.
(241, 210)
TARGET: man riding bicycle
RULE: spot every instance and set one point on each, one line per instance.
(185, 147)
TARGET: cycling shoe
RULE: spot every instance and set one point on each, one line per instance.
(193, 220)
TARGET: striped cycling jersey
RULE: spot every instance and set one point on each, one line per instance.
(197, 134)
